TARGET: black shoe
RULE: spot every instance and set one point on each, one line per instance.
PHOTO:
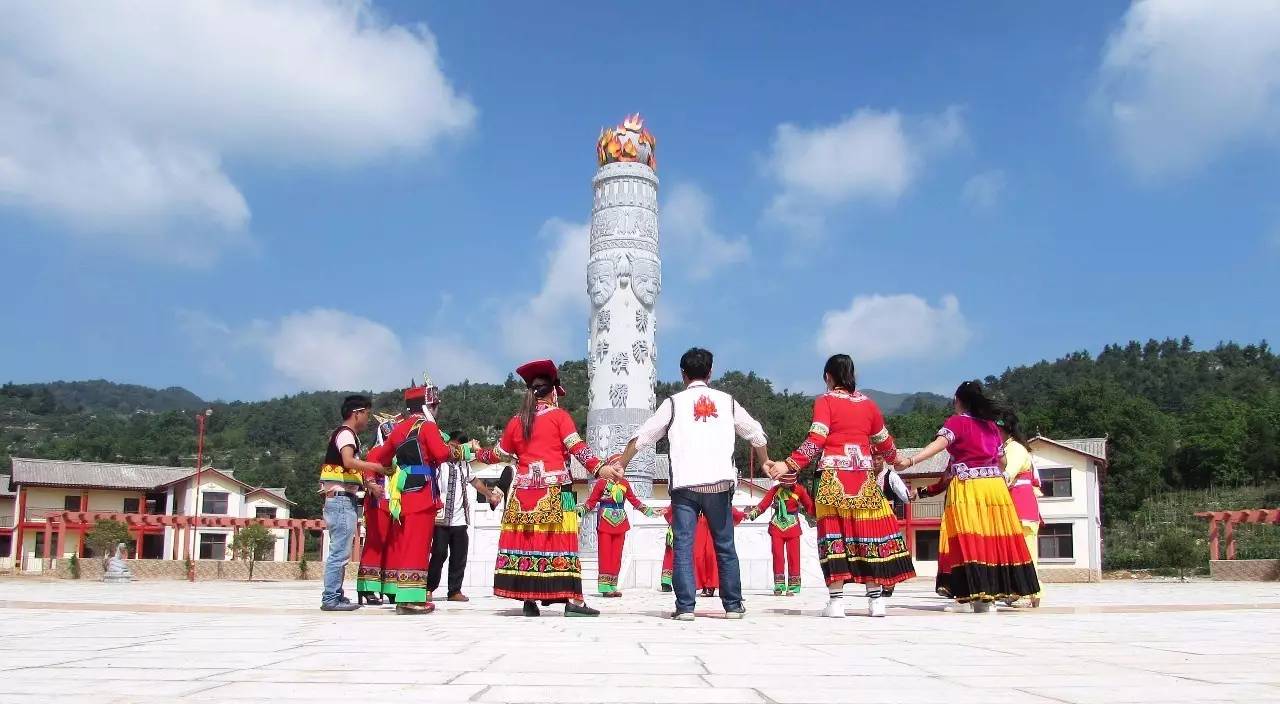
(368, 598)
(666, 588)
(391, 598)
(572, 609)
(531, 609)
(339, 606)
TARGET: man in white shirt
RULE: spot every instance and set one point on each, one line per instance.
(701, 424)
(451, 540)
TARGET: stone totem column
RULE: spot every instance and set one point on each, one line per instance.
(624, 278)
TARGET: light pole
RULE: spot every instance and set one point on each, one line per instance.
(191, 539)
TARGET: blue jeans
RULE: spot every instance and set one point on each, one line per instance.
(340, 517)
(718, 508)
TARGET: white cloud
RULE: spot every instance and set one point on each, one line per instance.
(328, 349)
(982, 191)
(553, 322)
(1182, 82)
(872, 156)
(690, 240)
(900, 326)
(117, 120)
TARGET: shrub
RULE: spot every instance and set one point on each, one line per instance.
(1179, 551)
(252, 543)
(105, 536)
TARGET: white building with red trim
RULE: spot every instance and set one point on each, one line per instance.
(52, 489)
(1070, 538)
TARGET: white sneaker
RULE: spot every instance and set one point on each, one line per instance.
(835, 608)
(958, 608)
(876, 607)
(683, 616)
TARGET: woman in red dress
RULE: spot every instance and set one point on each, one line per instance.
(858, 535)
(706, 571)
(538, 547)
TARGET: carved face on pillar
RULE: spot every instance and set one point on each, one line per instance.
(646, 279)
(601, 281)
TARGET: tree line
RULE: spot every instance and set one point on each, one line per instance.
(1177, 418)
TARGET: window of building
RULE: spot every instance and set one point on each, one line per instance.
(213, 546)
(156, 503)
(6, 544)
(264, 512)
(214, 502)
(131, 505)
(71, 503)
(1055, 482)
(1056, 542)
(926, 545)
(53, 541)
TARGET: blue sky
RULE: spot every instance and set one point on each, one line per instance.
(283, 196)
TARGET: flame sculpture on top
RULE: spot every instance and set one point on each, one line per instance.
(629, 141)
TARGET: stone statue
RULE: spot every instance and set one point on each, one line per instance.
(624, 279)
(602, 281)
(646, 277)
(117, 571)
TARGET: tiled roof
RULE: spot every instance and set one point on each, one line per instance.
(277, 492)
(94, 474)
(936, 465)
(1090, 446)
(106, 475)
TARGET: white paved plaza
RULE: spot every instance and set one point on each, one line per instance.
(226, 641)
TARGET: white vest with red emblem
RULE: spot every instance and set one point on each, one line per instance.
(702, 437)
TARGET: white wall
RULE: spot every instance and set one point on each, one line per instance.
(251, 504)
(210, 482)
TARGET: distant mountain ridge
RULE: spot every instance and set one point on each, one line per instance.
(893, 404)
(102, 396)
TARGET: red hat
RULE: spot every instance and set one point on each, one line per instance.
(541, 368)
(428, 394)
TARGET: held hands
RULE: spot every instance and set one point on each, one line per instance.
(375, 490)
(495, 497)
(903, 462)
(610, 472)
(780, 472)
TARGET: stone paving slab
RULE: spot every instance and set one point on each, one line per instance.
(208, 642)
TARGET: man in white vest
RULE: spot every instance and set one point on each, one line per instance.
(701, 424)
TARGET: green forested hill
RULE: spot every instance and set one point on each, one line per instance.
(1177, 418)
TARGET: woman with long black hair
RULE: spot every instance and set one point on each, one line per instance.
(1024, 485)
(982, 557)
(538, 548)
(858, 536)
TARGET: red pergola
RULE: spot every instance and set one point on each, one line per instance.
(1231, 518)
(139, 523)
